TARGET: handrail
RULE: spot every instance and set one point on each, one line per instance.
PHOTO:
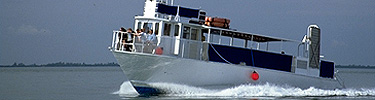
(118, 41)
(165, 43)
(303, 53)
(170, 46)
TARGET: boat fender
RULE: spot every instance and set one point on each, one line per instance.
(254, 76)
(159, 50)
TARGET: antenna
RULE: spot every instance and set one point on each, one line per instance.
(177, 17)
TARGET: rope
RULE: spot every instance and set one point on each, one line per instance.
(252, 55)
(219, 54)
(339, 79)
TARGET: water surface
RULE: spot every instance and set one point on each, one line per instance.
(103, 83)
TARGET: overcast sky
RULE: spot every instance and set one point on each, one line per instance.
(46, 31)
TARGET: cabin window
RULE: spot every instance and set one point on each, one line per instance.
(249, 44)
(147, 26)
(194, 33)
(204, 34)
(139, 25)
(215, 36)
(176, 30)
(225, 40)
(238, 42)
(252, 44)
(167, 29)
(186, 33)
(156, 32)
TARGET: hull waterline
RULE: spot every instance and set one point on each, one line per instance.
(146, 68)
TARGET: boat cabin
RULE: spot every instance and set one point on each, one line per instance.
(188, 33)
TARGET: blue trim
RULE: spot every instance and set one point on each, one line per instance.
(147, 91)
(187, 12)
(251, 57)
(172, 10)
(327, 69)
(162, 8)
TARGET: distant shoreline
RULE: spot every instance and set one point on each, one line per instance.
(64, 64)
(354, 66)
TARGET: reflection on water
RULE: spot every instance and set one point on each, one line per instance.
(63, 83)
(108, 83)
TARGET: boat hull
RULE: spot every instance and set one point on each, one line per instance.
(149, 68)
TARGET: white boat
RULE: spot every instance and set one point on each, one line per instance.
(187, 51)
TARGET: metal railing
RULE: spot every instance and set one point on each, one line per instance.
(161, 45)
(165, 45)
(121, 42)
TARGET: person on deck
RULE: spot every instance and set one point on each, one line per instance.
(150, 36)
(140, 35)
(150, 42)
(121, 38)
(129, 39)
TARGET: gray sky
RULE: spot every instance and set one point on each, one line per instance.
(45, 31)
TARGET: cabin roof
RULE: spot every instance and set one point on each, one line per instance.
(246, 36)
(229, 32)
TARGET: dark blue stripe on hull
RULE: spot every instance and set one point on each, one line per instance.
(251, 57)
(147, 91)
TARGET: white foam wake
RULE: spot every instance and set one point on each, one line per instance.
(265, 90)
(126, 89)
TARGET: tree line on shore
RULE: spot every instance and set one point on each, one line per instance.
(354, 66)
(60, 64)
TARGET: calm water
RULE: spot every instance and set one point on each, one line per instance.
(109, 83)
